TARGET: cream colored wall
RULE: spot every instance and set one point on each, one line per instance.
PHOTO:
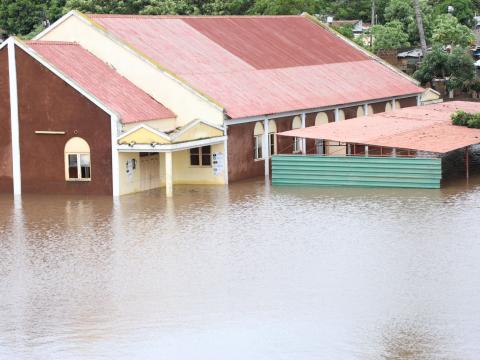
(183, 173)
(143, 136)
(200, 131)
(128, 184)
(160, 125)
(184, 102)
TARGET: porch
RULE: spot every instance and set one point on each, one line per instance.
(193, 154)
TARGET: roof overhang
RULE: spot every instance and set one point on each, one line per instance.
(193, 134)
(424, 128)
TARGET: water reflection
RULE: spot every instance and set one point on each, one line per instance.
(245, 272)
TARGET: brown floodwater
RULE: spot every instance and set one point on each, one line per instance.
(245, 272)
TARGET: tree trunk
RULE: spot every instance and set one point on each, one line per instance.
(421, 32)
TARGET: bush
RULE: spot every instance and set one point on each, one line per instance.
(461, 118)
(474, 121)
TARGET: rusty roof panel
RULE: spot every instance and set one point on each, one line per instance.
(276, 42)
(116, 92)
(425, 128)
(259, 65)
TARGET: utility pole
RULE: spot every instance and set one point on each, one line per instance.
(421, 32)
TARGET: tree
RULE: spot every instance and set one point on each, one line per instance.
(455, 67)
(463, 10)
(389, 36)
(107, 6)
(421, 31)
(283, 7)
(448, 31)
(346, 30)
(433, 66)
(19, 17)
(406, 13)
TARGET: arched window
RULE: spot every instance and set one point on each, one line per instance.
(297, 142)
(370, 110)
(320, 119)
(398, 106)
(360, 111)
(257, 141)
(77, 160)
(388, 106)
(341, 115)
(272, 139)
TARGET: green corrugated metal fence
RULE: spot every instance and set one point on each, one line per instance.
(356, 171)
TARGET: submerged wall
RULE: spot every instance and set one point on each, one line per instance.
(356, 171)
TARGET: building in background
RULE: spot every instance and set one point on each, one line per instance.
(115, 104)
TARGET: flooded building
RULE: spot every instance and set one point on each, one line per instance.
(115, 104)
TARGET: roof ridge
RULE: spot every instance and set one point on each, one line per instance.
(51, 42)
(92, 15)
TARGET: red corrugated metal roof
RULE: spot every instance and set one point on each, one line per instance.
(96, 77)
(259, 65)
(425, 128)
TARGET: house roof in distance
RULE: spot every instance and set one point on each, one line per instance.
(256, 65)
(425, 128)
(114, 91)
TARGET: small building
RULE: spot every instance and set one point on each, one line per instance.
(402, 148)
(115, 104)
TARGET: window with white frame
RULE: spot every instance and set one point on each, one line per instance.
(77, 160)
(201, 156)
(257, 141)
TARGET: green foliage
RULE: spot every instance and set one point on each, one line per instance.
(345, 30)
(434, 65)
(460, 64)
(463, 10)
(462, 118)
(404, 12)
(389, 36)
(286, 7)
(448, 31)
(456, 67)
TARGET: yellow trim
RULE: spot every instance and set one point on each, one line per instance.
(197, 132)
(143, 136)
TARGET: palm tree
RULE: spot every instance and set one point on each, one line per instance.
(421, 32)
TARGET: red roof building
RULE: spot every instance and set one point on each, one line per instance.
(152, 101)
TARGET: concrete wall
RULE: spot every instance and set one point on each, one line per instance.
(182, 101)
(6, 182)
(47, 103)
(183, 173)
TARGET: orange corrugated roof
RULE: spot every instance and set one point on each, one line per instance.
(102, 81)
(425, 128)
(255, 65)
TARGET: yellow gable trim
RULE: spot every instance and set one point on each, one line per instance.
(199, 131)
(143, 136)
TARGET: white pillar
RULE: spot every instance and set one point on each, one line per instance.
(168, 174)
(225, 156)
(337, 114)
(304, 141)
(115, 164)
(14, 126)
(265, 147)
(365, 109)
(419, 100)
(366, 150)
(394, 105)
(394, 152)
